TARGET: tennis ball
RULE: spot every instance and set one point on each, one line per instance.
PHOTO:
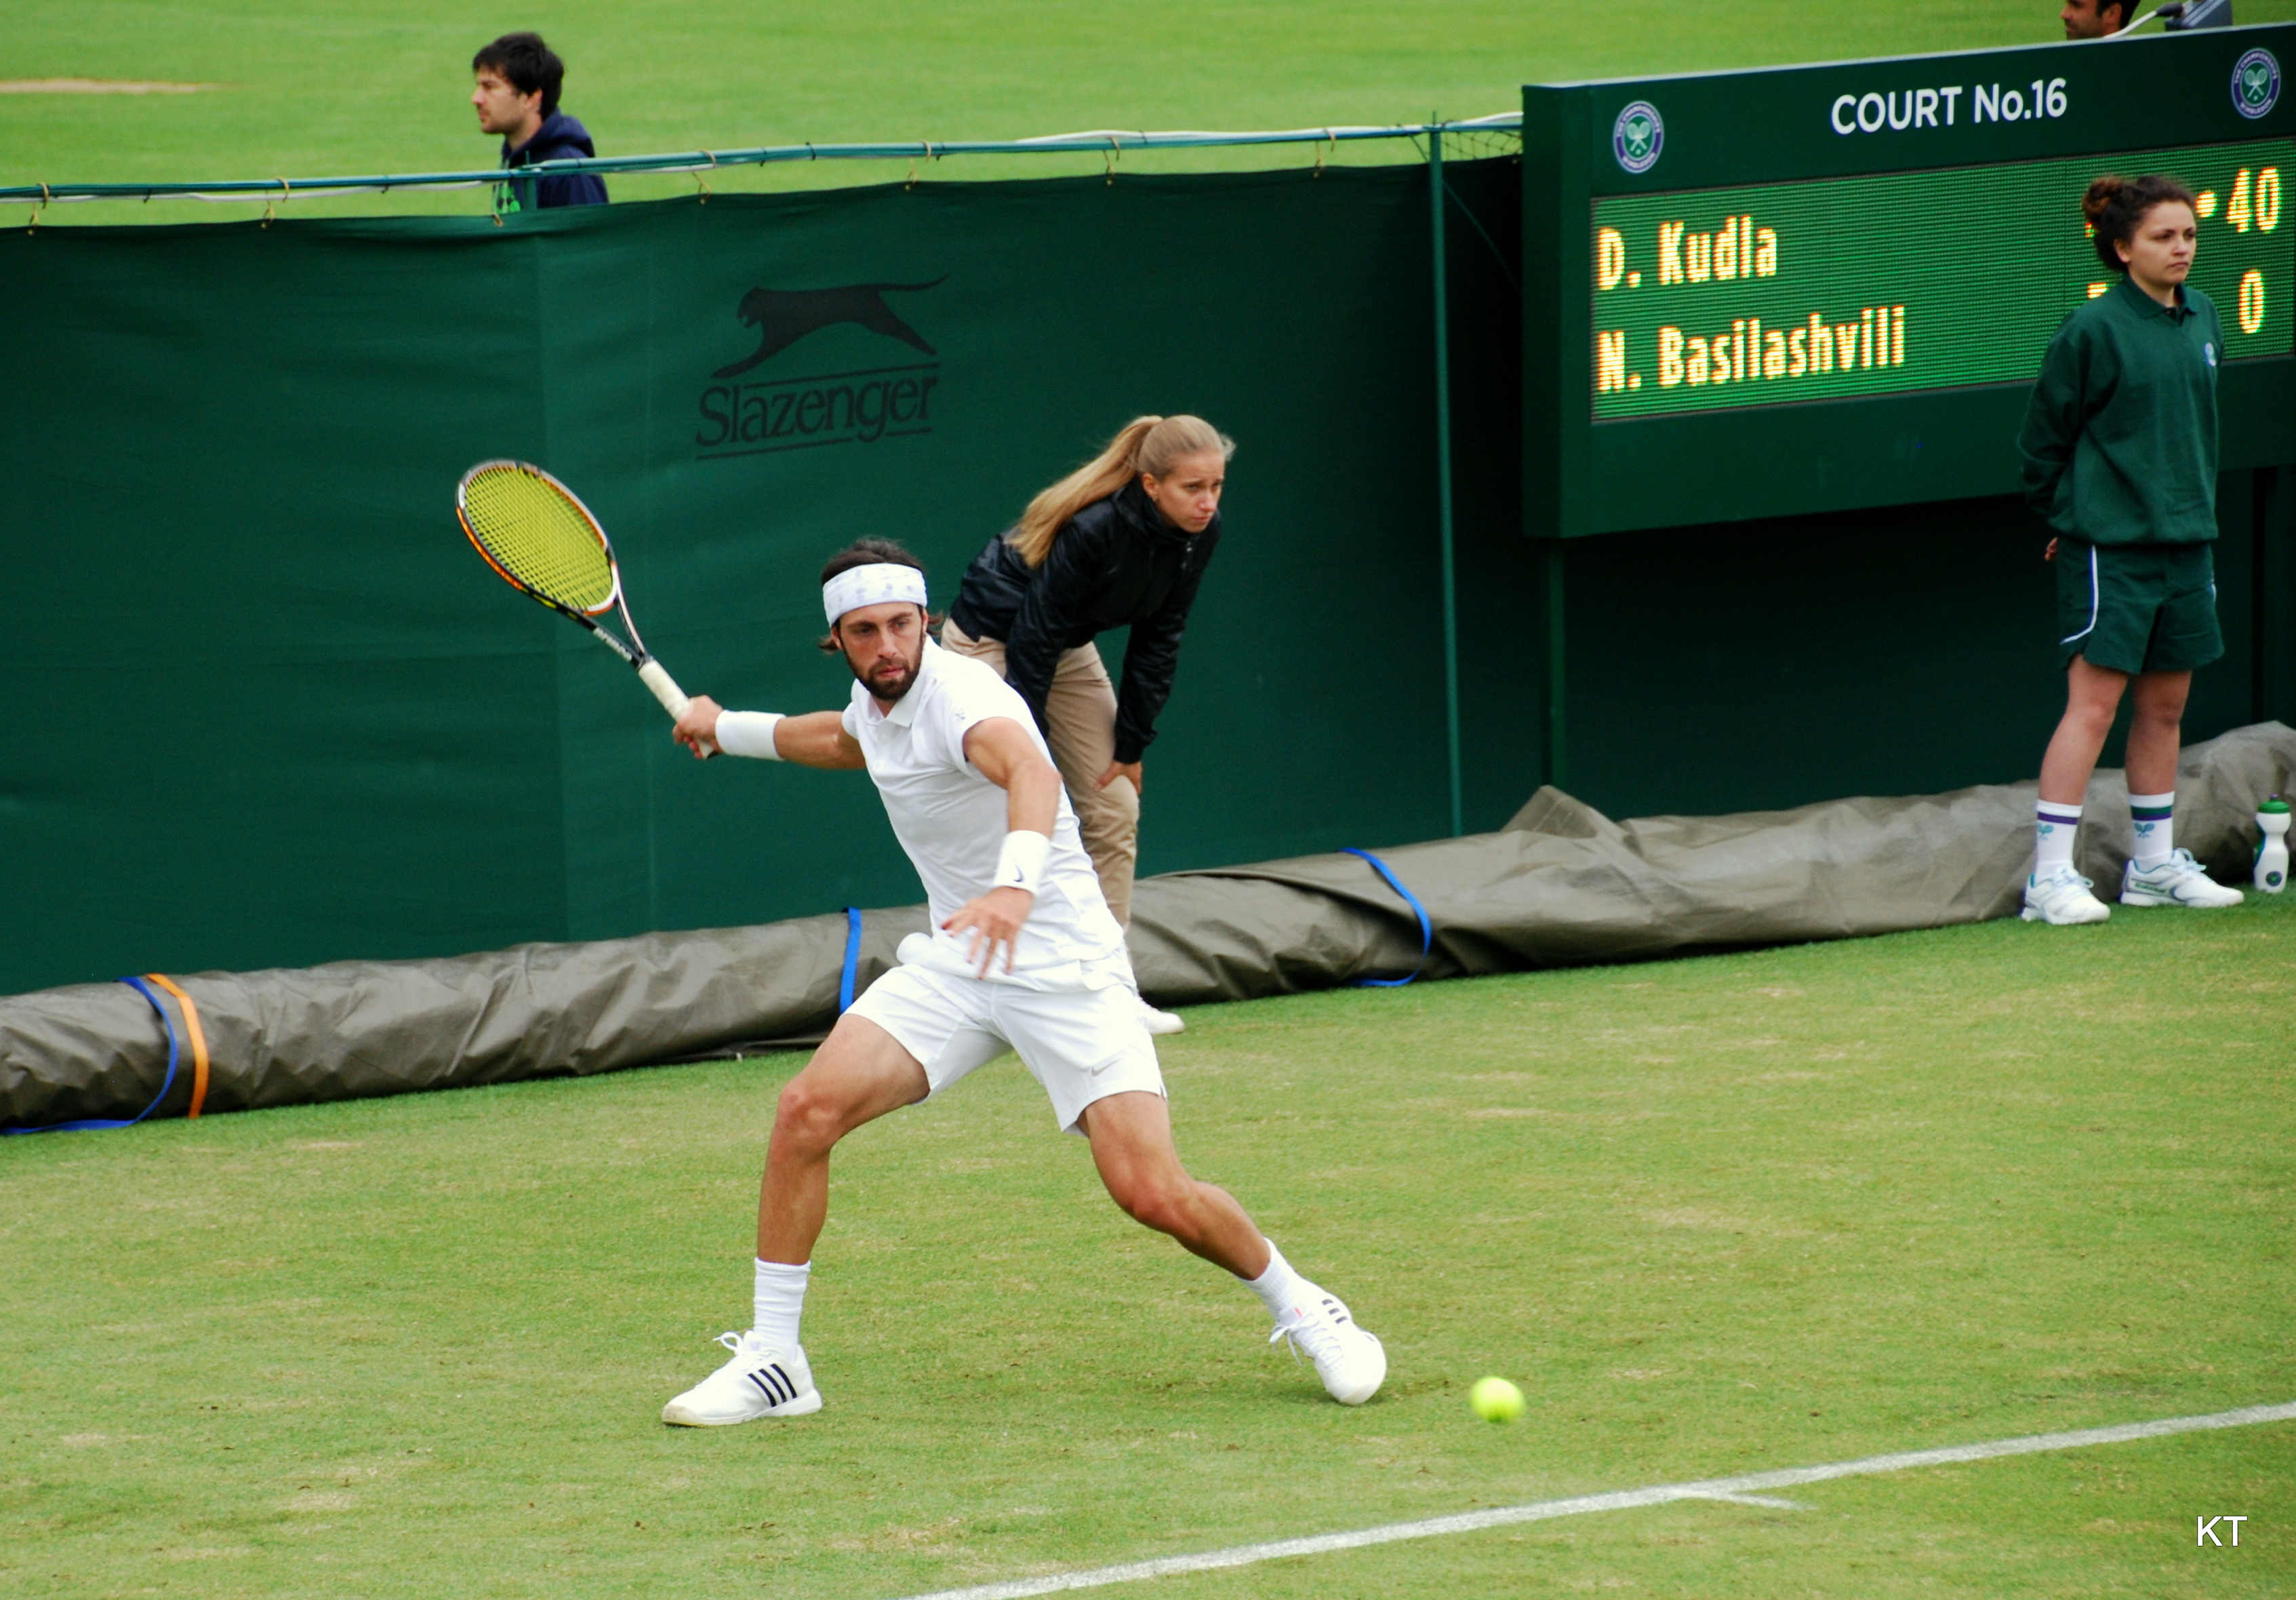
(1496, 1400)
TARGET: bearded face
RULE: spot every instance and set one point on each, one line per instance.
(885, 645)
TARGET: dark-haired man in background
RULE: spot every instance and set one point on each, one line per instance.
(2093, 19)
(517, 97)
(2102, 19)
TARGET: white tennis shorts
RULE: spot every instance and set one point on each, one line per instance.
(1082, 1045)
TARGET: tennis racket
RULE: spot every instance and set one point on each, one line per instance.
(536, 534)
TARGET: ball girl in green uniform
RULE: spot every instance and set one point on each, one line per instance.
(2119, 447)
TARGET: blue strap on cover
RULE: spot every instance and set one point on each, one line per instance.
(852, 959)
(1426, 926)
(97, 1124)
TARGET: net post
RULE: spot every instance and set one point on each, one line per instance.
(1443, 475)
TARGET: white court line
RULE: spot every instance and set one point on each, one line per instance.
(1745, 1484)
(1767, 1502)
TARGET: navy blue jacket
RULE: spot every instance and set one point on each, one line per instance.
(558, 137)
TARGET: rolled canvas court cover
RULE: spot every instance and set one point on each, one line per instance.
(1560, 884)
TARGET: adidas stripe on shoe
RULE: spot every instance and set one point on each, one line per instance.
(759, 1381)
(1350, 1360)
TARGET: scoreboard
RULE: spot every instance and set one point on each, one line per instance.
(1762, 293)
(1785, 293)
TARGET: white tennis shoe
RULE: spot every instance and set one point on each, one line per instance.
(1351, 1362)
(2060, 897)
(1160, 1022)
(2179, 881)
(760, 1381)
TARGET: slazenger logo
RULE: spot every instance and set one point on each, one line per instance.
(860, 407)
(2255, 84)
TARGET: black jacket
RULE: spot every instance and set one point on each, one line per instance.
(1117, 562)
(559, 138)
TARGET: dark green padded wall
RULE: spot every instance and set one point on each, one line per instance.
(265, 705)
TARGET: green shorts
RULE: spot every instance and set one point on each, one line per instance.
(2137, 608)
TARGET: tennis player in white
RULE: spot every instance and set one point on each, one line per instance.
(1023, 953)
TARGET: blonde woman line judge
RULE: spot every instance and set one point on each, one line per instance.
(1122, 541)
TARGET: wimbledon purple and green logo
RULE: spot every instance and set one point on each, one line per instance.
(1638, 136)
(2255, 84)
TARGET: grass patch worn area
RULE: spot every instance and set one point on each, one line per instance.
(305, 90)
(1747, 1211)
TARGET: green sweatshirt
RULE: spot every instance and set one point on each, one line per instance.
(2119, 440)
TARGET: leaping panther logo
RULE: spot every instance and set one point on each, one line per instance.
(782, 316)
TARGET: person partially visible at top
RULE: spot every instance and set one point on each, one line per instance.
(2093, 19)
(2119, 447)
(518, 79)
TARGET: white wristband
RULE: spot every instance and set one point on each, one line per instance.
(748, 734)
(1020, 864)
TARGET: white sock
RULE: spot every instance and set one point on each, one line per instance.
(780, 1303)
(1279, 1288)
(2156, 828)
(2053, 827)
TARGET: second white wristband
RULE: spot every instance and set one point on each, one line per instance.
(748, 734)
(1020, 864)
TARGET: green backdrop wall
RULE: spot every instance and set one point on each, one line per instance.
(263, 704)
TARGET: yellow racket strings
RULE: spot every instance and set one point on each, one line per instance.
(537, 535)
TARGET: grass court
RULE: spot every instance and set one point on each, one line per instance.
(1717, 1215)
(304, 90)
(1757, 1211)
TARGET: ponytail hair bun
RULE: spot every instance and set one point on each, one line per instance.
(2100, 197)
(2115, 206)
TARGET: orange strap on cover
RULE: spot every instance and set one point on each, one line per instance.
(199, 1042)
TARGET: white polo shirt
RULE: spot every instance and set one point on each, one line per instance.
(952, 821)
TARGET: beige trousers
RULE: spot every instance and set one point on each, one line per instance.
(1082, 710)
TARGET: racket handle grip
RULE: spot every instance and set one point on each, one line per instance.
(655, 676)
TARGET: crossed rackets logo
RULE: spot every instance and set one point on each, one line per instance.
(1638, 136)
(2256, 84)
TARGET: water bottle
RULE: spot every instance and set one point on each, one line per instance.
(2271, 874)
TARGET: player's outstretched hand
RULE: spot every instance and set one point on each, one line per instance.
(697, 730)
(993, 919)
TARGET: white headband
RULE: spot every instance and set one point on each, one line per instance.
(873, 584)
